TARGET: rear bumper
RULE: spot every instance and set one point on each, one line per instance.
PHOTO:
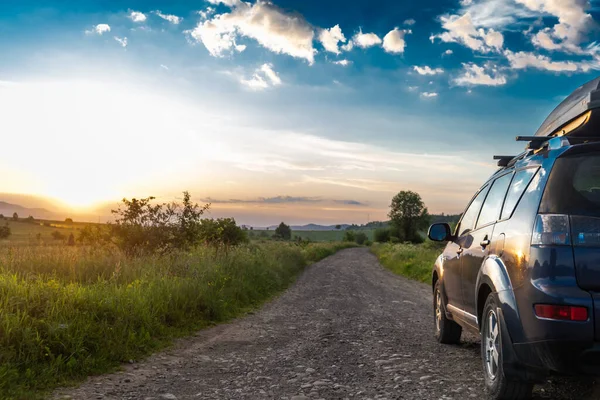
(565, 357)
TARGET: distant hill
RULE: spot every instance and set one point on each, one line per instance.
(310, 227)
(8, 209)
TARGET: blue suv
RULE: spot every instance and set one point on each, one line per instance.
(522, 266)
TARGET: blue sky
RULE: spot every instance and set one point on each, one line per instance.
(303, 110)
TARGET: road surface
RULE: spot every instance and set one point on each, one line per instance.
(348, 329)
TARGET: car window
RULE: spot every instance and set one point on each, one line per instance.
(490, 212)
(470, 216)
(517, 187)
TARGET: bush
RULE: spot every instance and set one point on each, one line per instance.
(221, 232)
(382, 235)
(395, 239)
(349, 236)
(69, 221)
(361, 238)
(56, 235)
(4, 231)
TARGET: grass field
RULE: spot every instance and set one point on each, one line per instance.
(414, 261)
(67, 312)
(25, 233)
(316, 236)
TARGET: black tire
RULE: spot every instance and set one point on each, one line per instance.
(446, 330)
(498, 386)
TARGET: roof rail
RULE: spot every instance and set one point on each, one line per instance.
(503, 160)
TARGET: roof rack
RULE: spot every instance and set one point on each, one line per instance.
(503, 160)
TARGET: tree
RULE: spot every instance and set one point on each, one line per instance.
(69, 221)
(4, 231)
(15, 217)
(283, 231)
(1, 216)
(30, 219)
(408, 215)
(221, 232)
(338, 227)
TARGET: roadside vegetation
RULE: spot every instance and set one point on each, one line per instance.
(116, 292)
(401, 246)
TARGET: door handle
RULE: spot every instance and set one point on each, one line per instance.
(459, 251)
(484, 243)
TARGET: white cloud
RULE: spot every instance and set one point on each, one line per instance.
(410, 22)
(461, 29)
(122, 41)
(480, 75)
(137, 16)
(365, 40)
(466, 2)
(264, 22)
(204, 14)
(163, 66)
(448, 52)
(429, 94)
(343, 63)
(426, 70)
(394, 41)
(99, 29)
(174, 19)
(412, 88)
(263, 78)
(348, 46)
(573, 23)
(330, 38)
(525, 60)
(229, 3)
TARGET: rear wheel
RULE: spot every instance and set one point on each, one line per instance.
(446, 330)
(499, 387)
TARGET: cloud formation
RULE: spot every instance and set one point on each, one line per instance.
(263, 78)
(460, 29)
(99, 29)
(122, 41)
(282, 200)
(429, 94)
(343, 63)
(330, 38)
(174, 19)
(427, 70)
(137, 16)
(474, 74)
(394, 41)
(366, 40)
(525, 60)
(264, 22)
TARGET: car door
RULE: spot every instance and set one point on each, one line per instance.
(453, 252)
(476, 249)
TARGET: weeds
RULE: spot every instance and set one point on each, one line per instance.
(414, 261)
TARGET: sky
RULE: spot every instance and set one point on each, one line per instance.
(303, 111)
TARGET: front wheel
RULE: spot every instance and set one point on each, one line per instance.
(446, 330)
(497, 385)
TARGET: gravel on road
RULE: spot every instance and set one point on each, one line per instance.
(347, 329)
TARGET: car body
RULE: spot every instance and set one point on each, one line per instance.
(524, 262)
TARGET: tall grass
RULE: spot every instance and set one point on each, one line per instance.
(415, 261)
(69, 312)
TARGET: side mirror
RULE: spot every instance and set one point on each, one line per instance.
(440, 232)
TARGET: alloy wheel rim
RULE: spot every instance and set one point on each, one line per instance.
(492, 344)
(438, 310)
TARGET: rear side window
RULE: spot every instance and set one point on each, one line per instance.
(490, 212)
(517, 188)
(468, 221)
(573, 186)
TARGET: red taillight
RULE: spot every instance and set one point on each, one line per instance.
(565, 313)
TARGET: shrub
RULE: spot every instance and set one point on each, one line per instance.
(349, 236)
(382, 235)
(4, 231)
(30, 219)
(15, 217)
(56, 235)
(395, 239)
(69, 221)
(361, 238)
(221, 232)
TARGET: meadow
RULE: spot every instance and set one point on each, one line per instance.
(314, 236)
(70, 311)
(24, 232)
(415, 261)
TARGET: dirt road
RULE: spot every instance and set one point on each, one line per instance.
(346, 329)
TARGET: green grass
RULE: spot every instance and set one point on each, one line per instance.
(415, 261)
(67, 312)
